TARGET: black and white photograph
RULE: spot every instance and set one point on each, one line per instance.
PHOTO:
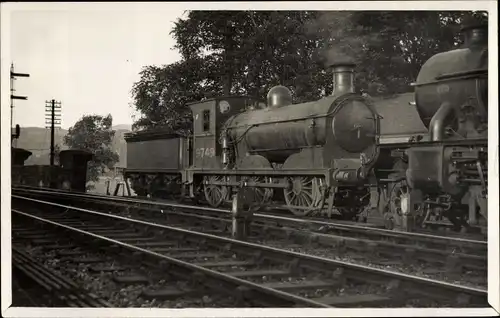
(249, 159)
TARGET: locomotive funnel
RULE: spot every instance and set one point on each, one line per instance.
(343, 77)
(475, 35)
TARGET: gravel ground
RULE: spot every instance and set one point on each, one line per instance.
(470, 278)
(130, 296)
(103, 285)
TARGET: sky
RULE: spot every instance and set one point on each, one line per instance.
(87, 58)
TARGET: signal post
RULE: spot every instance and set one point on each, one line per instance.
(52, 118)
(13, 97)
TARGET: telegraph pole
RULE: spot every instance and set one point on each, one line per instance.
(13, 76)
(52, 118)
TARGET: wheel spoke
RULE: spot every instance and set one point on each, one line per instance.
(306, 200)
(309, 194)
(299, 201)
(214, 194)
(304, 194)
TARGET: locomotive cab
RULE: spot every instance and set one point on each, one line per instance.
(208, 119)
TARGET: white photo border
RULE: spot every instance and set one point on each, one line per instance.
(493, 202)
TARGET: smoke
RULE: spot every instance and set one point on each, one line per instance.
(335, 31)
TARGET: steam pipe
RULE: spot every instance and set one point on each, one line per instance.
(438, 121)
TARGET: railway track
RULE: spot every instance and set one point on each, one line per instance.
(262, 275)
(50, 288)
(275, 215)
(433, 256)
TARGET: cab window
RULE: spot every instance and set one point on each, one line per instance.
(206, 120)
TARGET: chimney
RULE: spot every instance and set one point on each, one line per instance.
(475, 35)
(343, 77)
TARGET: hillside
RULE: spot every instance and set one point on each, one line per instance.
(37, 140)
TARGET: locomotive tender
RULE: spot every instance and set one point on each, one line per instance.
(334, 155)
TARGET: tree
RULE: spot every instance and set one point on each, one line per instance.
(251, 51)
(162, 93)
(390, 47)
(93, 133)
(248, 52)
(254, 51)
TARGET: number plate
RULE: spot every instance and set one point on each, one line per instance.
(205, 152)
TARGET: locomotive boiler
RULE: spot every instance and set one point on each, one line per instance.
(444, 174)
(343, 120)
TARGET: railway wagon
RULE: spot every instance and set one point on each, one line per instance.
(73, 163)
(18, 157)
(70, 174)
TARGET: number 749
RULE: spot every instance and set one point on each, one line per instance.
(205, 152)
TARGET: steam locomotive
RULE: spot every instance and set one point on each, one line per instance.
(340, 154)
(443, 173)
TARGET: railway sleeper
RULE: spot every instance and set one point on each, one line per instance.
(225, 264)
(77, 252)
(86, 260)
(58, 246)
(34, 237)
(355, 300)
(123, 235)
(131, 279)
(172, 249)
(145, 241)
(169, 293)
(102, 268)
(312, 284)
(110, 231)
(259, 273)
(44, 241)
(184, 256)
(21, 232)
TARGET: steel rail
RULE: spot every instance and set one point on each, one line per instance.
(405, 235)
(218, 275)
(62, 288)
(437, 287)
(472, 258)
